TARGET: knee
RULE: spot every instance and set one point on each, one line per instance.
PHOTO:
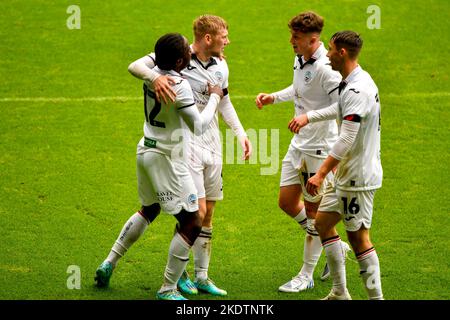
(151, 212)
(196, 225)
(359, 241)
(320, 226)
(285, 205)
(190, 226)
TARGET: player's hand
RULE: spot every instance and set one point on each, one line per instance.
(215, 89)
(163, 89)
(247, 147)
(297, 123)
(263, 99)
(313, 184)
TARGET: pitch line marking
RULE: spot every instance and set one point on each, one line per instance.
(237, 97)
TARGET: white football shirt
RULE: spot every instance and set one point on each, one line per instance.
(199, 73)
(314, 87)
(164, 128)
(361, 169)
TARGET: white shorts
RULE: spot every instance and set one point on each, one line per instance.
(329, 202)
(206, 170)
(355, 206)
(297, 167)
(167, 182)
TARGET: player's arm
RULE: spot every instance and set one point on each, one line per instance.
(347, 137)
(286, 94)
(142, 69)
(352, 110)
(196, 121)
(230, 117)
(324, 114)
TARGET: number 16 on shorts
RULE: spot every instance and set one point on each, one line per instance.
(357, 208)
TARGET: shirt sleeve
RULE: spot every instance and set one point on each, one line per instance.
(184, 97)
(229, 115)
(225, 75)
(323, 114)
(330, 82)
(284, 95)
(196, 121)
(349, 131)
(354, 102)
(142, 68)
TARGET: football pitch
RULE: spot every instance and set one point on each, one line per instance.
(71, 116)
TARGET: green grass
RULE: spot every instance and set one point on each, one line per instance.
(67, 167)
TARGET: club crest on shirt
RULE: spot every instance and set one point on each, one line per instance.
(308, 76)
(219, 75)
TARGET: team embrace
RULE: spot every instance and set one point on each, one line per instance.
(330, 172)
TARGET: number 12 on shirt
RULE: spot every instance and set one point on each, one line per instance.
(152, 105)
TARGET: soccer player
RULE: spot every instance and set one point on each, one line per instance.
(164, 180)
(359, 174)
(314, 87)
(205, 161)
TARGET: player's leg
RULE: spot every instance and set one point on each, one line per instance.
(188, 230)
(183, 195)
(130, 233)
(332, 244)
(289, 202)
(313, 244)
(196, 167)
(328, 216)
(133, 228)
(358, 222)
(203, 245)
(202, 255)
(291, 190)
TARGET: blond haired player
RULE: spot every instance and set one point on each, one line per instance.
(205, 161)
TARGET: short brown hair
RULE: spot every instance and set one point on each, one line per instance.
(307, 22)
(208, 24)
(349, 40)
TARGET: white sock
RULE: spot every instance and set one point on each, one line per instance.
(131, 231)
(311, 250)
(336, 263)
(202, 253)
(301, 218)
(176, 262)
(369, 266)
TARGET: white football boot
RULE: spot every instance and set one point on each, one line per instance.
(334, 296)
(298, 283)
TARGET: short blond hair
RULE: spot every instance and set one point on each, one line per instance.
(208, 24)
